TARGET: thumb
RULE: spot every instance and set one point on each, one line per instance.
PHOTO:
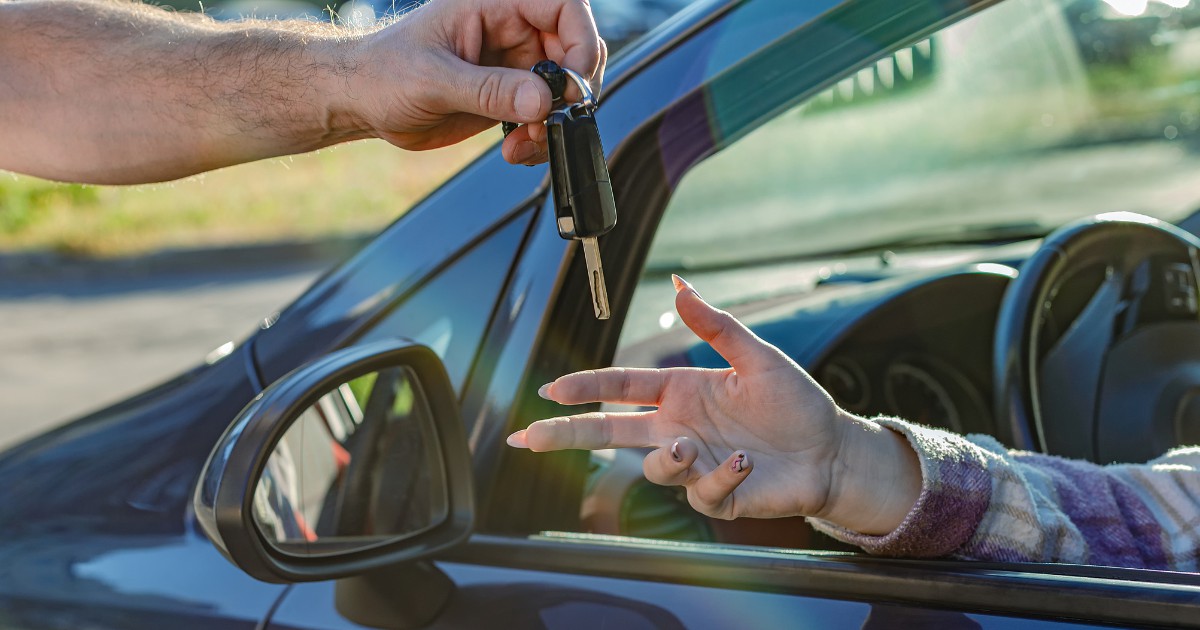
(497, 93)
(744, 351)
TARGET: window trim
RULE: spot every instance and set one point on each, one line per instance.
(1049, 591)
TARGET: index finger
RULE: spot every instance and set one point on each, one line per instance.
(620, 386)
(571, 21)
(589, 431)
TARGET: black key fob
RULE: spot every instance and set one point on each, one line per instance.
(583, 194)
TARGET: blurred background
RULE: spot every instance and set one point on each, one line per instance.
(105, 291)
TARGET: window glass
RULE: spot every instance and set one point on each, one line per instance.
(1016, 120)
(1005, 125)
(450, 312)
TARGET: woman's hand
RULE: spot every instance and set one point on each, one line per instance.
(453, 68)
(713, 428)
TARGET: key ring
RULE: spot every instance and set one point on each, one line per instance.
(587, 102)
(589, 99)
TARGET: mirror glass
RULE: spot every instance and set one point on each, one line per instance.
(359, 468)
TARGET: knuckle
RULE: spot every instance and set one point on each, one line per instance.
(489, 93)
(605, 429)
(570, 431)
(626, 385)
(721, 330)
(592, 380)
(700, 504)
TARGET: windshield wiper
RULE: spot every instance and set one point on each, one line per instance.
(987, 234)
(953, 235)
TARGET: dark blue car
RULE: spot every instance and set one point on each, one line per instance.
(858, 180)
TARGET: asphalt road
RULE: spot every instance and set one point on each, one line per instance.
(68, 347)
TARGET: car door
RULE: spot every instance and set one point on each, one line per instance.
(531, 564)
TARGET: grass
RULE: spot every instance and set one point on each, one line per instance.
(351, 189)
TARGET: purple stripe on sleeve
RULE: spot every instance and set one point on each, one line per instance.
(1116, 525)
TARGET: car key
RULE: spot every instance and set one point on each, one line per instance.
(583, 196)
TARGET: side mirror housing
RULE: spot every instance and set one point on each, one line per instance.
(355, 462)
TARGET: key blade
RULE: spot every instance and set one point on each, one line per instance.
(595, 270)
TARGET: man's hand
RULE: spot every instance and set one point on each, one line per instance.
(112, 92)
(713, 428)
(453, 68)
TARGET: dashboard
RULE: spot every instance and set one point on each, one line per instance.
(923, 354)
(918, 346)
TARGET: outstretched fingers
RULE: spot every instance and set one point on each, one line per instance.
(589, 431)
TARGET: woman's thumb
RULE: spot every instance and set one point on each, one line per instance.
(729, 337)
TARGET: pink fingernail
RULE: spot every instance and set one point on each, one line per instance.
(518, 440)
(675, 452)
(680, 283)
(544, 391)
(739, 463)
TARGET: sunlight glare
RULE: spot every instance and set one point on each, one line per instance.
(1131, 8)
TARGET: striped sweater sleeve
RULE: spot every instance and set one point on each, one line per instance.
(980, 501)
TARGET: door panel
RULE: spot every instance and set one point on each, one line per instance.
(498, 597)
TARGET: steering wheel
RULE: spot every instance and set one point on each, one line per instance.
(1119, 380)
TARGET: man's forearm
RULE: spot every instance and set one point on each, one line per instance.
(136, 94)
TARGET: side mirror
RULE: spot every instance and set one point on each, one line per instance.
(352, 463)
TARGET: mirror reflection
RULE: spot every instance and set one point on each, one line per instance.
(360, 467)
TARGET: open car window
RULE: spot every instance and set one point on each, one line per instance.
(1010, 122)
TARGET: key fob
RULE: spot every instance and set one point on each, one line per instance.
(583, 194)
(584, 207)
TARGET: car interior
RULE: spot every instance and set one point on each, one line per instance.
(893, 232)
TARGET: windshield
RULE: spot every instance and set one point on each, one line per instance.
(1009, 123)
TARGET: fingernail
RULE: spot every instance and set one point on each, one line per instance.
(517, 440)
(528, 101)
(682, 285)
(675, 452)
(740, 463)
(544, 391)
(524, 151)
